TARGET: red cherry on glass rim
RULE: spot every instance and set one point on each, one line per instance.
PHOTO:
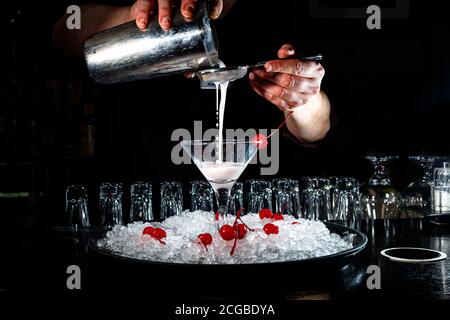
(271, 229)
(278, 216)
(227, 232)
(148, 230)
(260, 141)
(265, 214)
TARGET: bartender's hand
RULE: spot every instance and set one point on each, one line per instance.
(143, 10)
(288, 84)
(294, 87)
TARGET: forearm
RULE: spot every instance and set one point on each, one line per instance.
(311, 122)
(94, 18)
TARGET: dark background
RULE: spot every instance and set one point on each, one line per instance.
(389, 88)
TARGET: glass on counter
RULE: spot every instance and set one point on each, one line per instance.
(440, 190)
(141, 205)
(379, 198)
(418, 193)
(76, 207)
(345, 201)
(315, 198)
(111, 205)
(287, 196)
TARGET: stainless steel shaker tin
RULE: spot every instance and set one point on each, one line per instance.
(125, 53)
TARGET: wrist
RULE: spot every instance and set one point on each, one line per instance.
(310, 122)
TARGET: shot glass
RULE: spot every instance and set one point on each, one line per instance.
(111, 205)
(171, 199)
(236, 198)
(345, 201)
(202, 196)
(287, 196)
(259, 195)
(76, 207)
(440, 190)
(315, 198)
(141, 202)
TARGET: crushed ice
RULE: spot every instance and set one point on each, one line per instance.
(308, 239)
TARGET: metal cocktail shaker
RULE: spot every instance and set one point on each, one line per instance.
(125, 53)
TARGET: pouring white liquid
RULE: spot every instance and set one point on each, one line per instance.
(220, 110)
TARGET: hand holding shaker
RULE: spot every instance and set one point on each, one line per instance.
(125, 53)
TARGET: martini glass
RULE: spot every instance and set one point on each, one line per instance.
(418, 193)
(379, 199)
(221, 164)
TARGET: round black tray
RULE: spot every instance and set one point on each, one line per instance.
(114, 271)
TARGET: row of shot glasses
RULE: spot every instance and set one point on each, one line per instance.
(313, 198)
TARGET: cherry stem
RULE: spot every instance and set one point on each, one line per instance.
(245, 225)
(238, 218)
(238, 214)
(281, 125)
(234, 245)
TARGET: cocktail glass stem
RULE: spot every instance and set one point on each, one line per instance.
(223, 200)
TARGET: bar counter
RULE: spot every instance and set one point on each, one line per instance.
(36, 261)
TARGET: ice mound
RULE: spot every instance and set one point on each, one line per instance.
(307, 239)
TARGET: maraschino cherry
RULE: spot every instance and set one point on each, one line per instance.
(241, 231)
(277, 217)
(270, 228)
(159, 234)
(148, 231)
(155, 233)
(227, 232)
(206, 239)
(265, 214)
(260, 141)
(237, 231)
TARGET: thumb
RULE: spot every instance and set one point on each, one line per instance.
(286, 51)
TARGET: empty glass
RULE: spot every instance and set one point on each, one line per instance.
(236, 198)
(418, 194)
(259, 195)
(171, 199)
(379, 199)
(141, 202)
(345, 201)
(76, 207)
(202, 196)
(315, 198)
(287, 196)
(111, 205)
(440, 191)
